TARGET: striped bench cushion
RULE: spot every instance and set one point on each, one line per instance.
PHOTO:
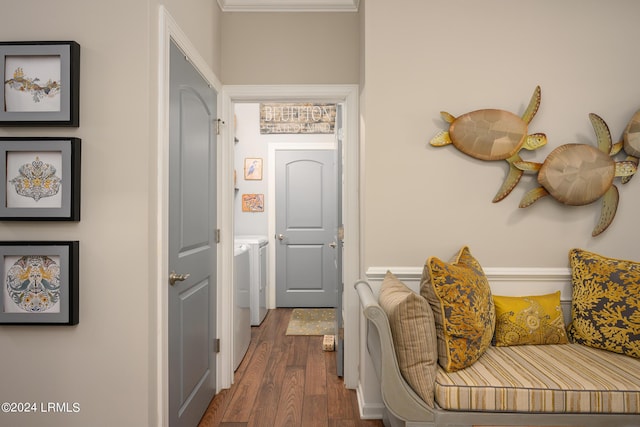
(569, 378)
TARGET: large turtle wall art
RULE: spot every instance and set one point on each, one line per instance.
(579, 174)
(493, 134)
(631, 142)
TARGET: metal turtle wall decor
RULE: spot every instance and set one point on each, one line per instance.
(492, 134)
(631, 142)
(580, 174)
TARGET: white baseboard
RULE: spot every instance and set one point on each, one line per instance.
(369, 410)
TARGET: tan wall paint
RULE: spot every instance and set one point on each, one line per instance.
(104, 363)
(290, 48)
(458, 56)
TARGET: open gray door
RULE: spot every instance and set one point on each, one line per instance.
(192, 245)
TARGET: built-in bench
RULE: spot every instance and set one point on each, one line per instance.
(546, 385)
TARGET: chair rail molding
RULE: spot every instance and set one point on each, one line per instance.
(289, 5)
(507, 281)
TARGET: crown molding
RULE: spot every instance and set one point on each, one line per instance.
(289, 5)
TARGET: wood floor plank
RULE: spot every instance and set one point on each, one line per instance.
(266, 405)
(291, 398)
(214, 413)
(316, 371)
(314, 411)
(299, 351)
(338, 397)
(239, 409)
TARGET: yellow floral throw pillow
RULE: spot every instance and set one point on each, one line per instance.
(460, 298)
(535, 319)
(605, 311)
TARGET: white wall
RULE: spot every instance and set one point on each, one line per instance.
(290, 48)
(106, 363)
(422, 57)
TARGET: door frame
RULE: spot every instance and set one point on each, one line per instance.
(349, 96)
(159, 260)
(271, 201)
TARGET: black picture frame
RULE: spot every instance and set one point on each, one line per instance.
(40, 83)
(40, 282)
(25, 194)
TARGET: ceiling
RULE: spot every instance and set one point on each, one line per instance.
(289, 5)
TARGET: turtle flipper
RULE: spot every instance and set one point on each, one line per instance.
(634, 160)
(441, 139)
(602, 133)
(609, 208)
(533, 106)
(533, 195)
(534, 141)
(626, 168)
(616, 148)
(449, 118)
(528, 166)
(512, 179)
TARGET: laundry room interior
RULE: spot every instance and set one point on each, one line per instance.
(254, 205)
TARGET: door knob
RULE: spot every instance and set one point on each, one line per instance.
(173, 278)
(333, 244)
(281, 237)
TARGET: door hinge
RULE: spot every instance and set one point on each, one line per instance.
(217, 235)
(219, 123)
(216, 345)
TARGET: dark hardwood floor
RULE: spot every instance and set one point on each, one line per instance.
(285, 381)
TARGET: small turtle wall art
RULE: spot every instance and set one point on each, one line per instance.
(492, 134)
(580, 174)
(631, 142)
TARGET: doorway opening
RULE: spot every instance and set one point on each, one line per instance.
(347, 95)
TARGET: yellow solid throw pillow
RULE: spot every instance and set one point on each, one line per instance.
(605, 309)
(460, 297)
(535, 319)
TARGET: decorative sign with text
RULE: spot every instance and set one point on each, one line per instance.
(297, 118)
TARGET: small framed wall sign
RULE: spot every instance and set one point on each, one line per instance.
(40, 179)
(39, 283)
(41, 83)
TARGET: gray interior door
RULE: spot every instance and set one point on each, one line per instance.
(192, 246)
(305, 227)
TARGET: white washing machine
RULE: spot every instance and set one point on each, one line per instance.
(241, 304)
(258, 247)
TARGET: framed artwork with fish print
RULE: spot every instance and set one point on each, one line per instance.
(39, 282)
(40, 179)
(41, 83)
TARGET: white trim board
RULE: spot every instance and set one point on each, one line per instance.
(289, 5)
(505, 281)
